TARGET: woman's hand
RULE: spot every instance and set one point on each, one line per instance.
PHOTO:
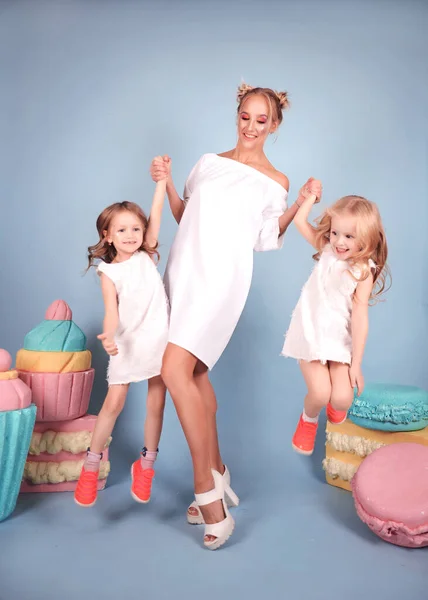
(108, 343)
(160, 168)
(311, 187)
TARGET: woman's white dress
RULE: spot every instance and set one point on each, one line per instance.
(231, 210)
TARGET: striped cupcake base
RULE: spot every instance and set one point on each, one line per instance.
(16, 428)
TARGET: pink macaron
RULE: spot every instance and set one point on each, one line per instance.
(390, 491)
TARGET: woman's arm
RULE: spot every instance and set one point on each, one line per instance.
(175, 202)
(360, 329)
(287, 217)
(111, 315)
(152, 233)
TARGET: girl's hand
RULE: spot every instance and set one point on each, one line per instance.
(356, 378)
(109, 345)
(160, 168)
(311, 187)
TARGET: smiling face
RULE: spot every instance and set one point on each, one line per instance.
(255, 122)
(343, 236)
(126, 233)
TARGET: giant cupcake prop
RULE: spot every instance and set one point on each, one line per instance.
(56, 366)
(17, 416)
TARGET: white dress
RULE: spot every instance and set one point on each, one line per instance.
(231, 210)
(320, 327)
(142, 333)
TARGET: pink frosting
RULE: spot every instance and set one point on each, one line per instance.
(390, 491)
(14, 394)
(5, 360)
(58, 311)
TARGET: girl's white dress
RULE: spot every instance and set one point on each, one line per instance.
(231, 210)
(320, 327)
(142, 333)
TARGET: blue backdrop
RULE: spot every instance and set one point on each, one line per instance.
(91, 91)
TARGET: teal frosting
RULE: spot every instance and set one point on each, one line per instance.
(55, 336)
(389, 407)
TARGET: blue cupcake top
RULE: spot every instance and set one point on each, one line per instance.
(57, 333)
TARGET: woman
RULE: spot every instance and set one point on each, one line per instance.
(233, 203)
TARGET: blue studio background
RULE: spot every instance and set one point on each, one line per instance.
(90, 92)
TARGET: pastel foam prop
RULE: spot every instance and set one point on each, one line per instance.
(390, 407)
(60, 396)
(53, 362)
(56, 456)
(73, 437)
(390, 491)
(58, 311)
(5, 360)
(54, 472)
(347, 445)
(16, 427)
(14, 394)
(55, 336)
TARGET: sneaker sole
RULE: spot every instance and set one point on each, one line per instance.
(85, 505)
(336, 422)
(300, 451)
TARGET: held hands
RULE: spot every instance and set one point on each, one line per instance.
(160, 168)
(356, 378)
(313, 187)
(107, 340)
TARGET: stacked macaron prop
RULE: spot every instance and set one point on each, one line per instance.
(348, 445)
(17, 416)
(56, 456)
(56, 365)
(380, 453)
(384, 414)
(390, 492)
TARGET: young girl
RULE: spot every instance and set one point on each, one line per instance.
(135, 334)
(329, 326)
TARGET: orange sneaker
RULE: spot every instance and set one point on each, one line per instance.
(304, 437)
(141, 487)
(336, 416)
(85, 493)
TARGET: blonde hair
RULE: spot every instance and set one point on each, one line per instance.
(370, 235)
(107, 252)
(277, 101)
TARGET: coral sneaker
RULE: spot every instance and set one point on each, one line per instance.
(85, 493)
(141, 487)
(336, 416)
(304, 437)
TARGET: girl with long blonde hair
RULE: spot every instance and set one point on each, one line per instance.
(329, 326)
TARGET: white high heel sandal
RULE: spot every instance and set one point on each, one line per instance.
(222, 530)
(199, 519)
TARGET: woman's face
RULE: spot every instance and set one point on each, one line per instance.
(254, 123)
